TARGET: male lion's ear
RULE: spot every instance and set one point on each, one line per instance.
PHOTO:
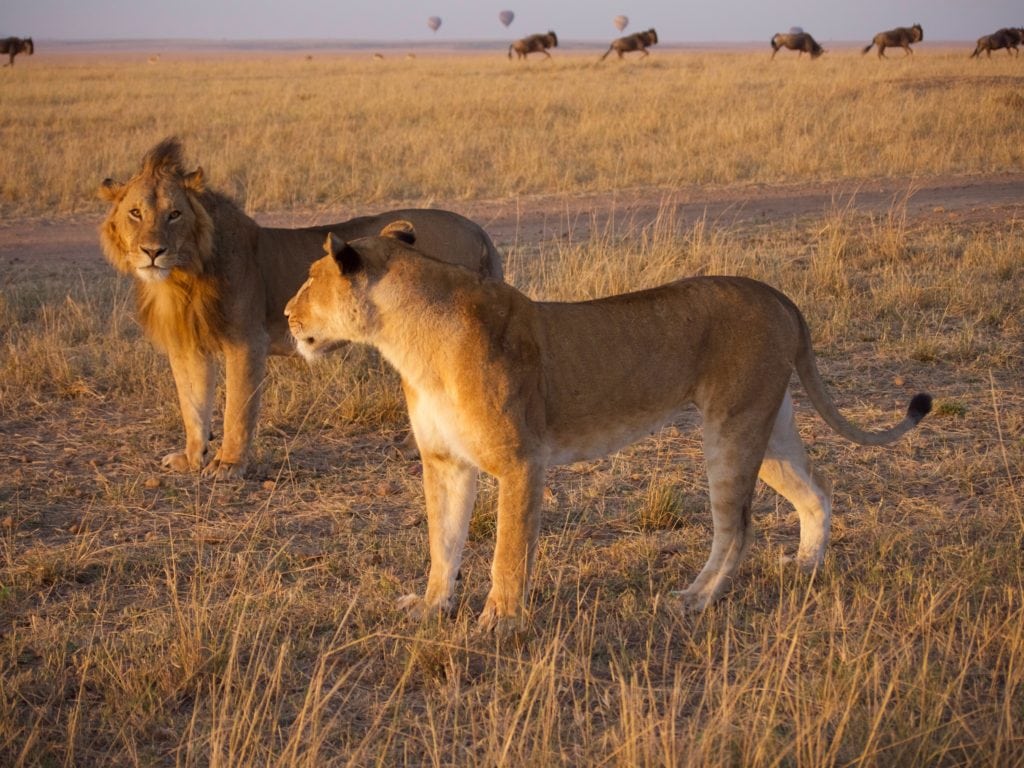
(109, 190)
(347, 257)
(400, 230)
(194, 181)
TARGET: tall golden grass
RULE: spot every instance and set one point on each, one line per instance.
(148, 619)
(288, 132)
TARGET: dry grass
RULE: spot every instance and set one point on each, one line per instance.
(289, 132)
(155, 620)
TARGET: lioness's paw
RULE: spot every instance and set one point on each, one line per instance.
(418, 609)
(692, 601)
(177, 462)
(805, 564)
(492, 621)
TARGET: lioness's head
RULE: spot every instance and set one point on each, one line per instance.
(156, 223)
(336, 304)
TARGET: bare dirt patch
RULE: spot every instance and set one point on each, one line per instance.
(530, 220)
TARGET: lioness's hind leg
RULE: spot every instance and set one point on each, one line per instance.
(788, 471)
(732, 464)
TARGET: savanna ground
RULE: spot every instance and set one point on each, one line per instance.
(151, 619)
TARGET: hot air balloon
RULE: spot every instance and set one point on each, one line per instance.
(505, 17)
(434, 22)
(620, 22)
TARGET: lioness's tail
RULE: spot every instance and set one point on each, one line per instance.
(807, 370)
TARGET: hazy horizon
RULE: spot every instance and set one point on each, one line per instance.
(584, 21)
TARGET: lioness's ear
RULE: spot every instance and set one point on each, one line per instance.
(400, 230)
(194, 181)
(347, 257)
(109, 190)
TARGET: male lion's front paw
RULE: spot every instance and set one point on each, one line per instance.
(224, 470)
(418, 609)
(178, 462)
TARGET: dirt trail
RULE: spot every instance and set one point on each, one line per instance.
(537, 218)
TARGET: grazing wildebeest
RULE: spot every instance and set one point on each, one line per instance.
(900, 37)
(796, 41)
(534, 44)
(12, 46)
(1007, 37)
(638, 41)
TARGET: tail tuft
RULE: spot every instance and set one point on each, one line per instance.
(920, 406)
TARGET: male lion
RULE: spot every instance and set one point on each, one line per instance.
(497, 382)
(210, 280)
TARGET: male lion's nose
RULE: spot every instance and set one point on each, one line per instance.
(153, 252)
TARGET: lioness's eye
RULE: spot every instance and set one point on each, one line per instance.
(135, 213)
(173, 215)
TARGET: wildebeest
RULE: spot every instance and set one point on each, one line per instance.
(1007, 37)
(638, 41)
(12, 46)
(796, 41)
(900, 37)
(534, 44)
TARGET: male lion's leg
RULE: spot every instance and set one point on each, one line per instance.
(733, 449)
(195, 379)
(520, 492)
(787, 469)
(449, 485)
(245, 366)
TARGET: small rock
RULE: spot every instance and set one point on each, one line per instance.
(152, 482)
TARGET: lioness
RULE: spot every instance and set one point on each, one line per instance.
(497, 382)
(210, 280)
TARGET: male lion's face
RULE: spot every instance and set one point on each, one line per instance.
(156, 225)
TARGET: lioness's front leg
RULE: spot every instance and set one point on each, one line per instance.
(245, 365)
(450, 487)
(195, 379)
(520, 492)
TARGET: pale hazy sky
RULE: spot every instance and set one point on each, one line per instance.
(583, 20)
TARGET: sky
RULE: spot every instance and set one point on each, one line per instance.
(679, 21)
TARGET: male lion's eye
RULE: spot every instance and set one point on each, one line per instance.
(173, 215)
(135, 213)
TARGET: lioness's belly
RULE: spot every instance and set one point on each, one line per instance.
(593, 440)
